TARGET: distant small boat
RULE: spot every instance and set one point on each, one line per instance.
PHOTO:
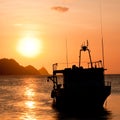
(82, 88)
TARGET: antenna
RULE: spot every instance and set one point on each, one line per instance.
(66, 53)
(102, 42)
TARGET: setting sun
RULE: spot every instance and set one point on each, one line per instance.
(29, 47)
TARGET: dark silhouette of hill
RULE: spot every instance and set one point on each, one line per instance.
(11, 67)
(31, 70)
(43, 71)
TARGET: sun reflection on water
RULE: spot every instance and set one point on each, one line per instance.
(34, 104)
(29, 92)
(30, 104)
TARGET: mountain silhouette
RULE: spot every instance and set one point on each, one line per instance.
(11, 67)
(31, 70)
(43, 71)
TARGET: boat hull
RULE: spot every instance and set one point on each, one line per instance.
(83, 99)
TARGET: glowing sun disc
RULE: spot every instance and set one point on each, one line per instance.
(29, 47)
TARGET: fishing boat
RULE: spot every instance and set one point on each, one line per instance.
(82, 88)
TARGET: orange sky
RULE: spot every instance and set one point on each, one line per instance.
(55, 21)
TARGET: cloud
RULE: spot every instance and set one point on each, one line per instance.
(60, 8)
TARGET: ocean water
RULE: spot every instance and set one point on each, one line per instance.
(28, 98)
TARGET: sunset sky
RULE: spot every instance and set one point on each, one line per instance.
(50, 23)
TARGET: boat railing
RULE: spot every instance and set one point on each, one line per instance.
(96, 64)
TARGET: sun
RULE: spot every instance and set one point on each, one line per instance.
(29, 46)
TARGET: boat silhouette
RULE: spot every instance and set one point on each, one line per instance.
(81, 88)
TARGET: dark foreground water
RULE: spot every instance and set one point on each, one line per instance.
(28, 98)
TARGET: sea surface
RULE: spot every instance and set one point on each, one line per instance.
(28, 98)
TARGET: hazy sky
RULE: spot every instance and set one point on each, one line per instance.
(53, 22)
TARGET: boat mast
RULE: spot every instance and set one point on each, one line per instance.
(102, 41)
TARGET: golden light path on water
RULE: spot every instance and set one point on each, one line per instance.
(33, 104)
(29, 104)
